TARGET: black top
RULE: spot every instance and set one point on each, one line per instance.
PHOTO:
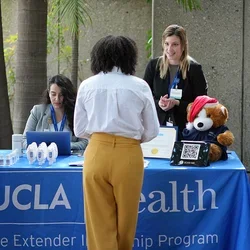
(194, 85)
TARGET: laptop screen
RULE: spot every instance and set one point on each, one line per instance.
(61, 138)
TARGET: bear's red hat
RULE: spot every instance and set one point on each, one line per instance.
(199, 103)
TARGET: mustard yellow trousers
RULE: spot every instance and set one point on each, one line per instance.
(112, 181)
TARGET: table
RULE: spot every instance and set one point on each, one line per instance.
(41, 207)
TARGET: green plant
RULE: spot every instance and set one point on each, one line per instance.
(64, 20)
(190, 4)
(56, 32)
(55, 35)
(74, 13)
(65, 57)
(9, 52)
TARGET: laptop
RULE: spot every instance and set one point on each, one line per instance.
(61, 138)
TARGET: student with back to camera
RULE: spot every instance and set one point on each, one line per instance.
(175, 78)
(116, 111)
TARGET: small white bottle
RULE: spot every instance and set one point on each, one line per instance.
(17, 143)
(31, 152)
(52, 153)
(42, 153)
(13, 157)
(8, 160)
(2, 160)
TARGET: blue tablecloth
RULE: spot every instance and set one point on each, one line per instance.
(41, 207)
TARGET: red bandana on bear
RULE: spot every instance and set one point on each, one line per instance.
(199, 103)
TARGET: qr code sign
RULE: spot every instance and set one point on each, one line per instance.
(190, 151)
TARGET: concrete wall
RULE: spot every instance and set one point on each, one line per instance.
(218, 38)
(115, 17)
(9, 17)
(246, 84)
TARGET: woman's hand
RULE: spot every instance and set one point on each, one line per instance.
(166, 103)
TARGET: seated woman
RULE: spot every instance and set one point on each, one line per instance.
(56, 111)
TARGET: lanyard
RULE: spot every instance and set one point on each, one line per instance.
(53, 116)
(175, 82)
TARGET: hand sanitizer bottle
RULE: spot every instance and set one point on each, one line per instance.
(42, 153)
(51, 154)
(31, 152)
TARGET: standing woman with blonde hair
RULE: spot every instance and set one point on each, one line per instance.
(175, 78)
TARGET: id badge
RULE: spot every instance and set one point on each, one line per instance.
(176, 93)
(169, 122)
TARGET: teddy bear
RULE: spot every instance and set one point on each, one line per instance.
(206, 122)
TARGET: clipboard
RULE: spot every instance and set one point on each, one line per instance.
(162, 145)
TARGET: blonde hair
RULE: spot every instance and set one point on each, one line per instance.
(175, 30)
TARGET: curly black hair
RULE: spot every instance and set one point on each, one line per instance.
(110, 51)
(69, 96)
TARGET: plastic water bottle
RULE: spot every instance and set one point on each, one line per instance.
(8, 160)
(2, 160)
(13, 156)
(17, 143)
(16, 155)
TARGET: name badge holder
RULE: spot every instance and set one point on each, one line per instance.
(174, 92)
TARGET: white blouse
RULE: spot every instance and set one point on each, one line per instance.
(118, 104)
